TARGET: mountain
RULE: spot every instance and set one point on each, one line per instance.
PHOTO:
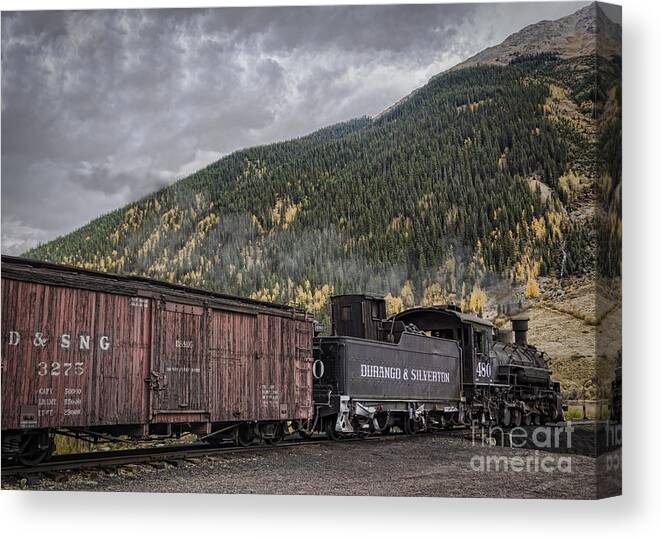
(484, 177)
(577, 35)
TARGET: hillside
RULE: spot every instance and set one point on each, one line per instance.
(484, 177)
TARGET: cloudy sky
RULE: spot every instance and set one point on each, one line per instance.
(102, 107)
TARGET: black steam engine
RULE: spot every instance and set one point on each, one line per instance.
(426, 367)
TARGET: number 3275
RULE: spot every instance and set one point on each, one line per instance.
(55, 368)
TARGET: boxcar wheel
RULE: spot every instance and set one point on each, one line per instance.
(38, 448)
(244, 435)
(278, 435)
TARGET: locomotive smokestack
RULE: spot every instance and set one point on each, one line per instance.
(520, 327)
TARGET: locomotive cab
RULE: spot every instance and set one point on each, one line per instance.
(474, 335)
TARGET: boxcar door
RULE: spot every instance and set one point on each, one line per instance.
(179, 365)
(232, 365)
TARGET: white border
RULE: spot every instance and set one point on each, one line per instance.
(54, 515)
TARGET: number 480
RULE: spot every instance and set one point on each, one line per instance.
(484, 370)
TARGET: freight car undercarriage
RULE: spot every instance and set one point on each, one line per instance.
(33, 446)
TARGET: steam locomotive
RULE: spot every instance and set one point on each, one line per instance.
(426, 367)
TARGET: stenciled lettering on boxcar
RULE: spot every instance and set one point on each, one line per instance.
(140, 303)
(195, 370)
(270, 395)
(51, 367)
(65, 341)
(74, 356)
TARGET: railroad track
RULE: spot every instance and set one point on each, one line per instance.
(182, 453)
(170, 454)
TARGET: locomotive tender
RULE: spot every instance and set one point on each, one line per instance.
(94, 355)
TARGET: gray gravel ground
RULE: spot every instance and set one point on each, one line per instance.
(422, 466)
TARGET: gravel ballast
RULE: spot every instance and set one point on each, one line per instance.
(446, 466)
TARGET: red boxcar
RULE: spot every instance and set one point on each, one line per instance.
(99, 353)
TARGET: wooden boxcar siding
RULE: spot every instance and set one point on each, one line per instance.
(232, 347)
(255, 364)
(303, 374)
(172, 355)
(282, 391)
(74, 385)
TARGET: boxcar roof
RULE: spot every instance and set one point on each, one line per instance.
(27, 269)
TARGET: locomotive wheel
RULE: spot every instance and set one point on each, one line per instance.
(38, 448)
(516, 417)
(556, 413)
(505, 417)
(244, 435)
(551, 415)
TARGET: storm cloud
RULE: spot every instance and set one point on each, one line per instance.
(100, 108)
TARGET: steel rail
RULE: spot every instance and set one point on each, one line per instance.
(92, 460)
